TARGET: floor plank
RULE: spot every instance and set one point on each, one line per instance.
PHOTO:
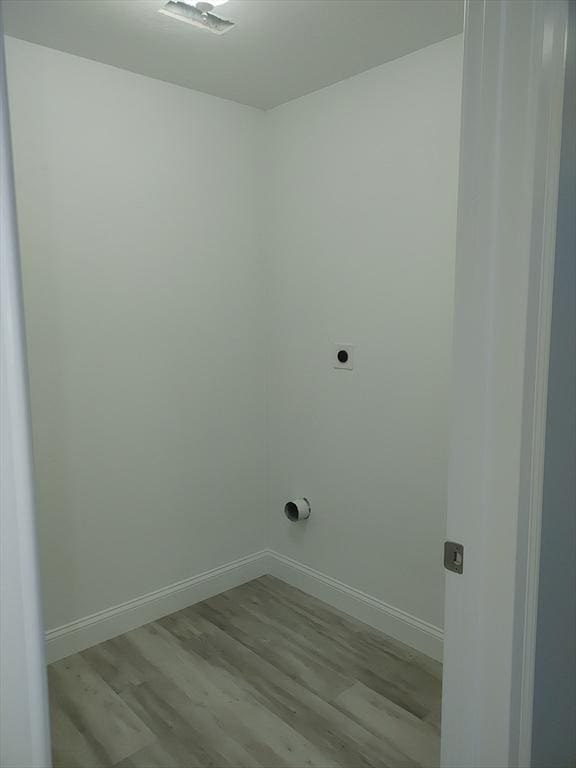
(84, 702)
(416, 738)
(262, 675)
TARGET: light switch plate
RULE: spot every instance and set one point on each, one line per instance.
(343, 357)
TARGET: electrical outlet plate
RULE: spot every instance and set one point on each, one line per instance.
(343, 357)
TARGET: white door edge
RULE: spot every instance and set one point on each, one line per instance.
(514, 56)
(24, 726)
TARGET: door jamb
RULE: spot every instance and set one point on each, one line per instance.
(514, 59)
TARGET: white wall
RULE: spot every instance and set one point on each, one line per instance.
(143, 292)
(361, 239)
(168, 237)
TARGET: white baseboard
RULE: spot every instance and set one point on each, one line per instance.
(111, 622)
(398, 624)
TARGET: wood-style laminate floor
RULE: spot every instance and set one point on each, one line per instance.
(262, 675)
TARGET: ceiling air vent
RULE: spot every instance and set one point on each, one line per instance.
(199, 14)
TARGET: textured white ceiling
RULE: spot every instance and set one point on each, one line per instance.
(279, 49)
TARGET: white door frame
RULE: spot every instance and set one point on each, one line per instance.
(514, 58)
(24, 730)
